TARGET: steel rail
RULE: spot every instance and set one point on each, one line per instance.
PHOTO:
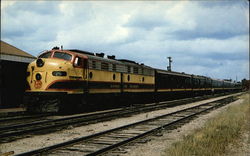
(140, 106)
(20, 129)
(170, 120)
(21, 117)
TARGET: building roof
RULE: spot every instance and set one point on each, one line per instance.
(11, 53)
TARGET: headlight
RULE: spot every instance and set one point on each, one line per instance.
(59, 73)
(39, 62)
(38, 76)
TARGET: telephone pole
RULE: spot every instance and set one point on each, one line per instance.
(169, 63)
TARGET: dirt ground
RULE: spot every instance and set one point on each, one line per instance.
(154, 147)
(158, 145)
(242, 148)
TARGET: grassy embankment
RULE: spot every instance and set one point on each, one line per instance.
(217, 134)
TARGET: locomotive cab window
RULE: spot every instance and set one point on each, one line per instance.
(63, 56)
(78, 62)
(45, 55)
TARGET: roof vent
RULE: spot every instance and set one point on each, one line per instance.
(111, 57)
(55, 48)
(99, 54)
(129, 61)
(82, 52)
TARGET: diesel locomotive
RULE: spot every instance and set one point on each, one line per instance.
(69, 80)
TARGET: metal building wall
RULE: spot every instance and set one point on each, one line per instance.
(12, 83)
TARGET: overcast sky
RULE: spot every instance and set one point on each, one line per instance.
(203, 37)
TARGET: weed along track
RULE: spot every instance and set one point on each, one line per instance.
(110, 140)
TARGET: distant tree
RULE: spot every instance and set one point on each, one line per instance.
(245, 84)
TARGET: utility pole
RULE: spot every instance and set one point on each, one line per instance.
(169, 63)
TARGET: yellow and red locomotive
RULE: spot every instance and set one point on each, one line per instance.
(85, 76)
(69, 79)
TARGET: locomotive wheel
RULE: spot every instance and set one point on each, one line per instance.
(41, 105)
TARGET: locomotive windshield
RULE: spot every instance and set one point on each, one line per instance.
(64, 56)
(45, 55)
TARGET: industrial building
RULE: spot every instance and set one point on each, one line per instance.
(13, 64)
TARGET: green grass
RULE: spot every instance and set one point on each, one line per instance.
(216, 135)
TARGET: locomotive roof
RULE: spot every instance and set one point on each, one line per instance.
(100, 57)
(81, 52)
(104, 59)
(184, 74)
(172, 73)
(189, 75)
(94, 56)
(91, 55)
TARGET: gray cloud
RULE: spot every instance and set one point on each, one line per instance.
(224, 3)
(203, 38)
(187, 35)
(40, 7)
(219, 22)
(145, 22)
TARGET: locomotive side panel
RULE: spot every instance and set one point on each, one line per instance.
(167, 81)
(104, 82)
(138, 83)
(104, 76)
(171, 85)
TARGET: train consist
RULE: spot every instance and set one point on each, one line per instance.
(67, 80)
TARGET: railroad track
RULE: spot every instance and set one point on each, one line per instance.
(24, 118)
(110, 140)
(13, 132)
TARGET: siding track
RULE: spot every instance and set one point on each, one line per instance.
(106, 141)
(17, 131)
